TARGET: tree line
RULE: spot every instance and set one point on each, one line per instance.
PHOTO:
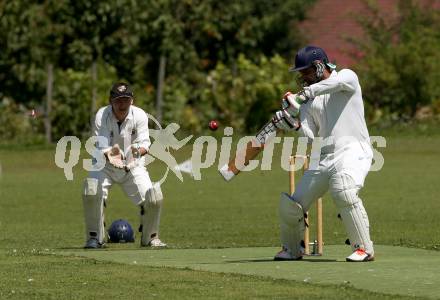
(190, 61)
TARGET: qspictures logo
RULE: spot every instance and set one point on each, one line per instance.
(207, 150)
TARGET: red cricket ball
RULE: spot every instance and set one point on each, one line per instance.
(213, 125)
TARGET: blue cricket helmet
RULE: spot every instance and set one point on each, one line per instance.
(306, 56)
(121, 232)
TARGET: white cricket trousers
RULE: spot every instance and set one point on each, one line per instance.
(342, 173)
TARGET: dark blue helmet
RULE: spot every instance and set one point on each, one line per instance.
(306, 57)
(121, 232)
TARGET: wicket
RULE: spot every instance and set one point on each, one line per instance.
(317, 244)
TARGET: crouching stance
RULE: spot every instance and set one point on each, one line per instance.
(330, 108)
(124, 139)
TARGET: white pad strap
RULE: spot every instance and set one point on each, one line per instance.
(150, 214)
(93, 202)
(292, 225)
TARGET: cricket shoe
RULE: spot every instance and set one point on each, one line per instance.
(156, 243)
(360, 256)
(285, 254)
(93, 243)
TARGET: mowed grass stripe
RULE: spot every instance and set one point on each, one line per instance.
(36, 275)
(397, 270)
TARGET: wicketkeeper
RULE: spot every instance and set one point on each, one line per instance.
(330, 107)
(123, 129)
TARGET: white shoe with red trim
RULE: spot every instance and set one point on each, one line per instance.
(360, 256)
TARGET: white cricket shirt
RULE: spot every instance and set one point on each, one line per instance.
(336, 112)
(133, 130)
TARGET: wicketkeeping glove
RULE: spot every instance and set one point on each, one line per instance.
(133, 159)
(115, 157)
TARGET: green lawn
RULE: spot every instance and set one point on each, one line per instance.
(40, 210)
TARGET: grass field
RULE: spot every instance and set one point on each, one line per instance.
(41, 218)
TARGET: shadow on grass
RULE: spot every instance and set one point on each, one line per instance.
(111, 248)
(272, 260)
(71, 248)
(321, 260)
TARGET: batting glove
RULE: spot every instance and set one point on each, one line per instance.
(284, 121)
(292, 102)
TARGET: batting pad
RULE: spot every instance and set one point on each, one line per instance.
(93, 210)
(345, 194)
(292, 225)
(356, 223)
(150, 214)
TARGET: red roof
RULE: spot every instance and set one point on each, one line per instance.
(330, 22)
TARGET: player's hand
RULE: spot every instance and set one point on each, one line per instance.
(133, 160)
(115, 157)
(292, 102)
(284, 121)
(132, 163)
(136, 151)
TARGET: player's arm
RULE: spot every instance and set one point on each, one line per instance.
(308, 127)
(101, 130)
(344, 80)
(113, 154)
(142, 143)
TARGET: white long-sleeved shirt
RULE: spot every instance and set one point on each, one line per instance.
(336, 111)
(133, 130)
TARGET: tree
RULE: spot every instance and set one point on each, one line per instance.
(401, 59)
(244, 98)
(166, 49)
(33, 42)
(195, 36)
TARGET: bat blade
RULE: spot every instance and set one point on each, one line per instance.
(252, 149)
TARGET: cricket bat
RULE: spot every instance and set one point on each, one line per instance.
(252, 149)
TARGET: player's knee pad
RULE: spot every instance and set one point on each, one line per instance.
(90, 191)
(154, 195)
(292, 225)
(93, 203)
(356, 223)
(150, 211)
(344, 190)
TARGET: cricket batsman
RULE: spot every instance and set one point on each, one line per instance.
(329, 107)
(123, 133)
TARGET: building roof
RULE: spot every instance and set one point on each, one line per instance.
(330, 23)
